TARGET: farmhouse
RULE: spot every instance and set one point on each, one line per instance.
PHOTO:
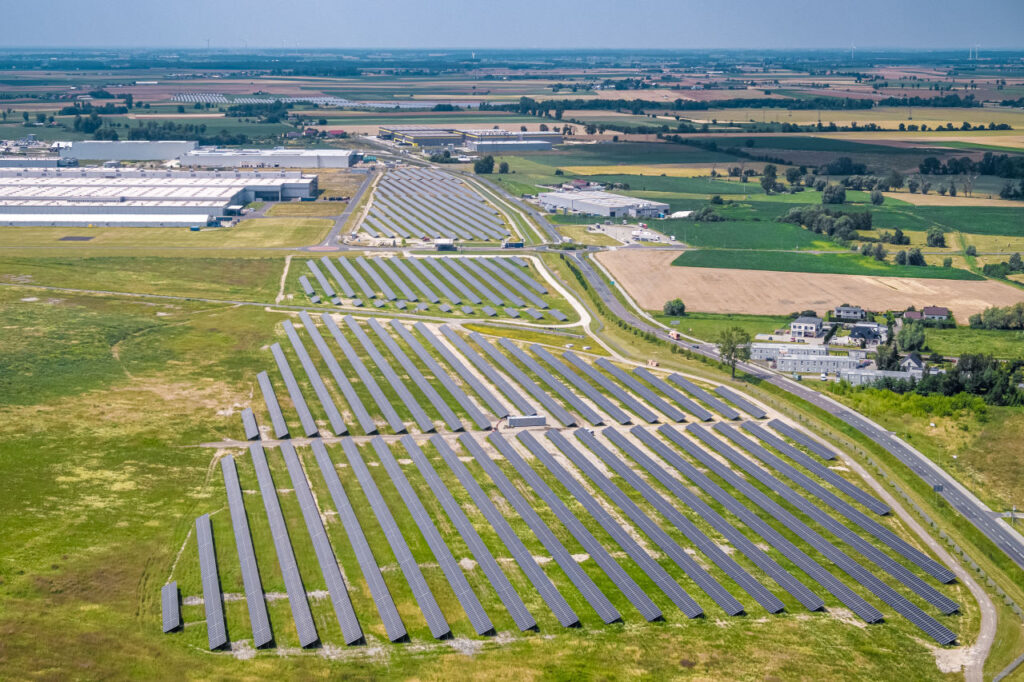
(602, 204)
(932, 312)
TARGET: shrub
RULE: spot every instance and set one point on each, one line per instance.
(675, 307)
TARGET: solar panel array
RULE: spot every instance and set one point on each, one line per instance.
(170, 606)
(444, 282)
(425, 203)
(636, 485)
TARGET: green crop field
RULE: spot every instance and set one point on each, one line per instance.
(834, 263)
(632, 153)
(707, 326)
(960, 340)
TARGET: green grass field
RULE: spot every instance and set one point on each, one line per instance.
(625, 153)
(835, 263)
(707, 326)
(960, 340)
(306, 209)
(743, 235)
(250, 233)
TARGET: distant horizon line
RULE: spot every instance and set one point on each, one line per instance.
(493, 49)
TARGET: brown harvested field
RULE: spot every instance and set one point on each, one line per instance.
(935, 199)
(648, 276)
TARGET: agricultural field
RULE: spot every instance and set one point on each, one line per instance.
(651, 279)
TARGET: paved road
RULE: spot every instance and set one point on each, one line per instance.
(332, 237)
(974, 510)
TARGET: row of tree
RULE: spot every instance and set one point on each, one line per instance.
(981, 375)
(1000, 165)
(1010, 317)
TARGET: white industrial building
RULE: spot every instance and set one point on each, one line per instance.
(502, 146)
(97, 196)
(279, 157)
(602, 204)
(859, 377)
(773, 351)
(33, 161)
(124, 150)
(815, 363)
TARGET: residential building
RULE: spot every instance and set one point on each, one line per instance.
(913, 315)
(806, 326)
(870, 332)
(932, 312)
(772, 351)
(849, 313)
(912, 363)
(860, 377)
(815, 363)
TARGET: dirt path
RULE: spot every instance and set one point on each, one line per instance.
(284, 277)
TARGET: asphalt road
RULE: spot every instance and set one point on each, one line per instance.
(958, 497)
(332, 237)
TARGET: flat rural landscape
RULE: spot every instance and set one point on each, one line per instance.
(350, 342)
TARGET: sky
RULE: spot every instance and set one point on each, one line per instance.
(583, 24)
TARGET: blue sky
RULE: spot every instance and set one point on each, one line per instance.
(584, 24)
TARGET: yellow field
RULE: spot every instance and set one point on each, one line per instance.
(987, 243)
(935, 199)
(257, 232)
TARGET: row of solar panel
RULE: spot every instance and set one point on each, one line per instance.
(655, 457)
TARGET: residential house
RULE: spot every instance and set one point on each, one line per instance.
(849, 313)
(933, 312)
(912, 363)
(805, 326)
(913, 315)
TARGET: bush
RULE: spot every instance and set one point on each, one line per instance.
(972, 250)
(484, 166)
(877, 198)
(936, 237)
(675, 308)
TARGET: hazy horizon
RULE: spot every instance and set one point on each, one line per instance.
(467, 25)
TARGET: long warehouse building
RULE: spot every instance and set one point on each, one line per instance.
(102, 197)
(279, 157)
(602, 204)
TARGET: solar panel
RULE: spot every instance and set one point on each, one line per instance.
(422, 307)
(741, 402)
(442, 376)
(410, 368)
(507, 264)
(274, 407)
(708, 584)
(401, 305)
(307, 289)
(538, 394)
(595, 396)
(869, 551)
(304, 625)
(880, 589)
(364, 555)
(812, 568)
(170, 606)
(644, 560)
(534, 314)
(467, 310)
(324, 284)
(447, 293)
(387, 266)
(394, 421)
(497, 293)
(610, 386)
(512, 283)
(382, 286)
(252, 430)
(802, 438)
(456, 579)
(673, 394)
(444, 308)
(442, 267)
(489, 311)
(485, 560)
(357, 277)
(326, 401)
(336, 588)
(403, 267)
(258, 619)
(377, 303)
(346, 288)
(511, 312)
(647, 394)
(636, 596)
(548, 592)
(706, 397)
(308, 425)
(591, 592)
(554, 384)
(702, 542)
(824, 473)
(213, 600)
(425, 423)
(558, 315)
(366, 422)
(439, 627)
(485, 368)
(755, 554)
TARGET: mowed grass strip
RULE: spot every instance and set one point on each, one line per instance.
(828, 263)
(254, 232)
(306, 209)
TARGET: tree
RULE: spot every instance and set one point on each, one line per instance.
(935, 237)
(484, 166)
(972, 250)
(947, 262)
(1015, 262)
(911, 337)
(733, 346)
(894, 179)
(675, 308)
(879, 252)
(503, 167)
(886, 357)
(793, 175)
(877, 197)
(914, 257)
(833, 194)
(901, 258)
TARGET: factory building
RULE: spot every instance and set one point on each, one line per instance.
(99, 196)
(502, 146)
(279, 157)
(421, 136)
(497, 134)
(127, 150)
(34, 161)
(602, 204)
